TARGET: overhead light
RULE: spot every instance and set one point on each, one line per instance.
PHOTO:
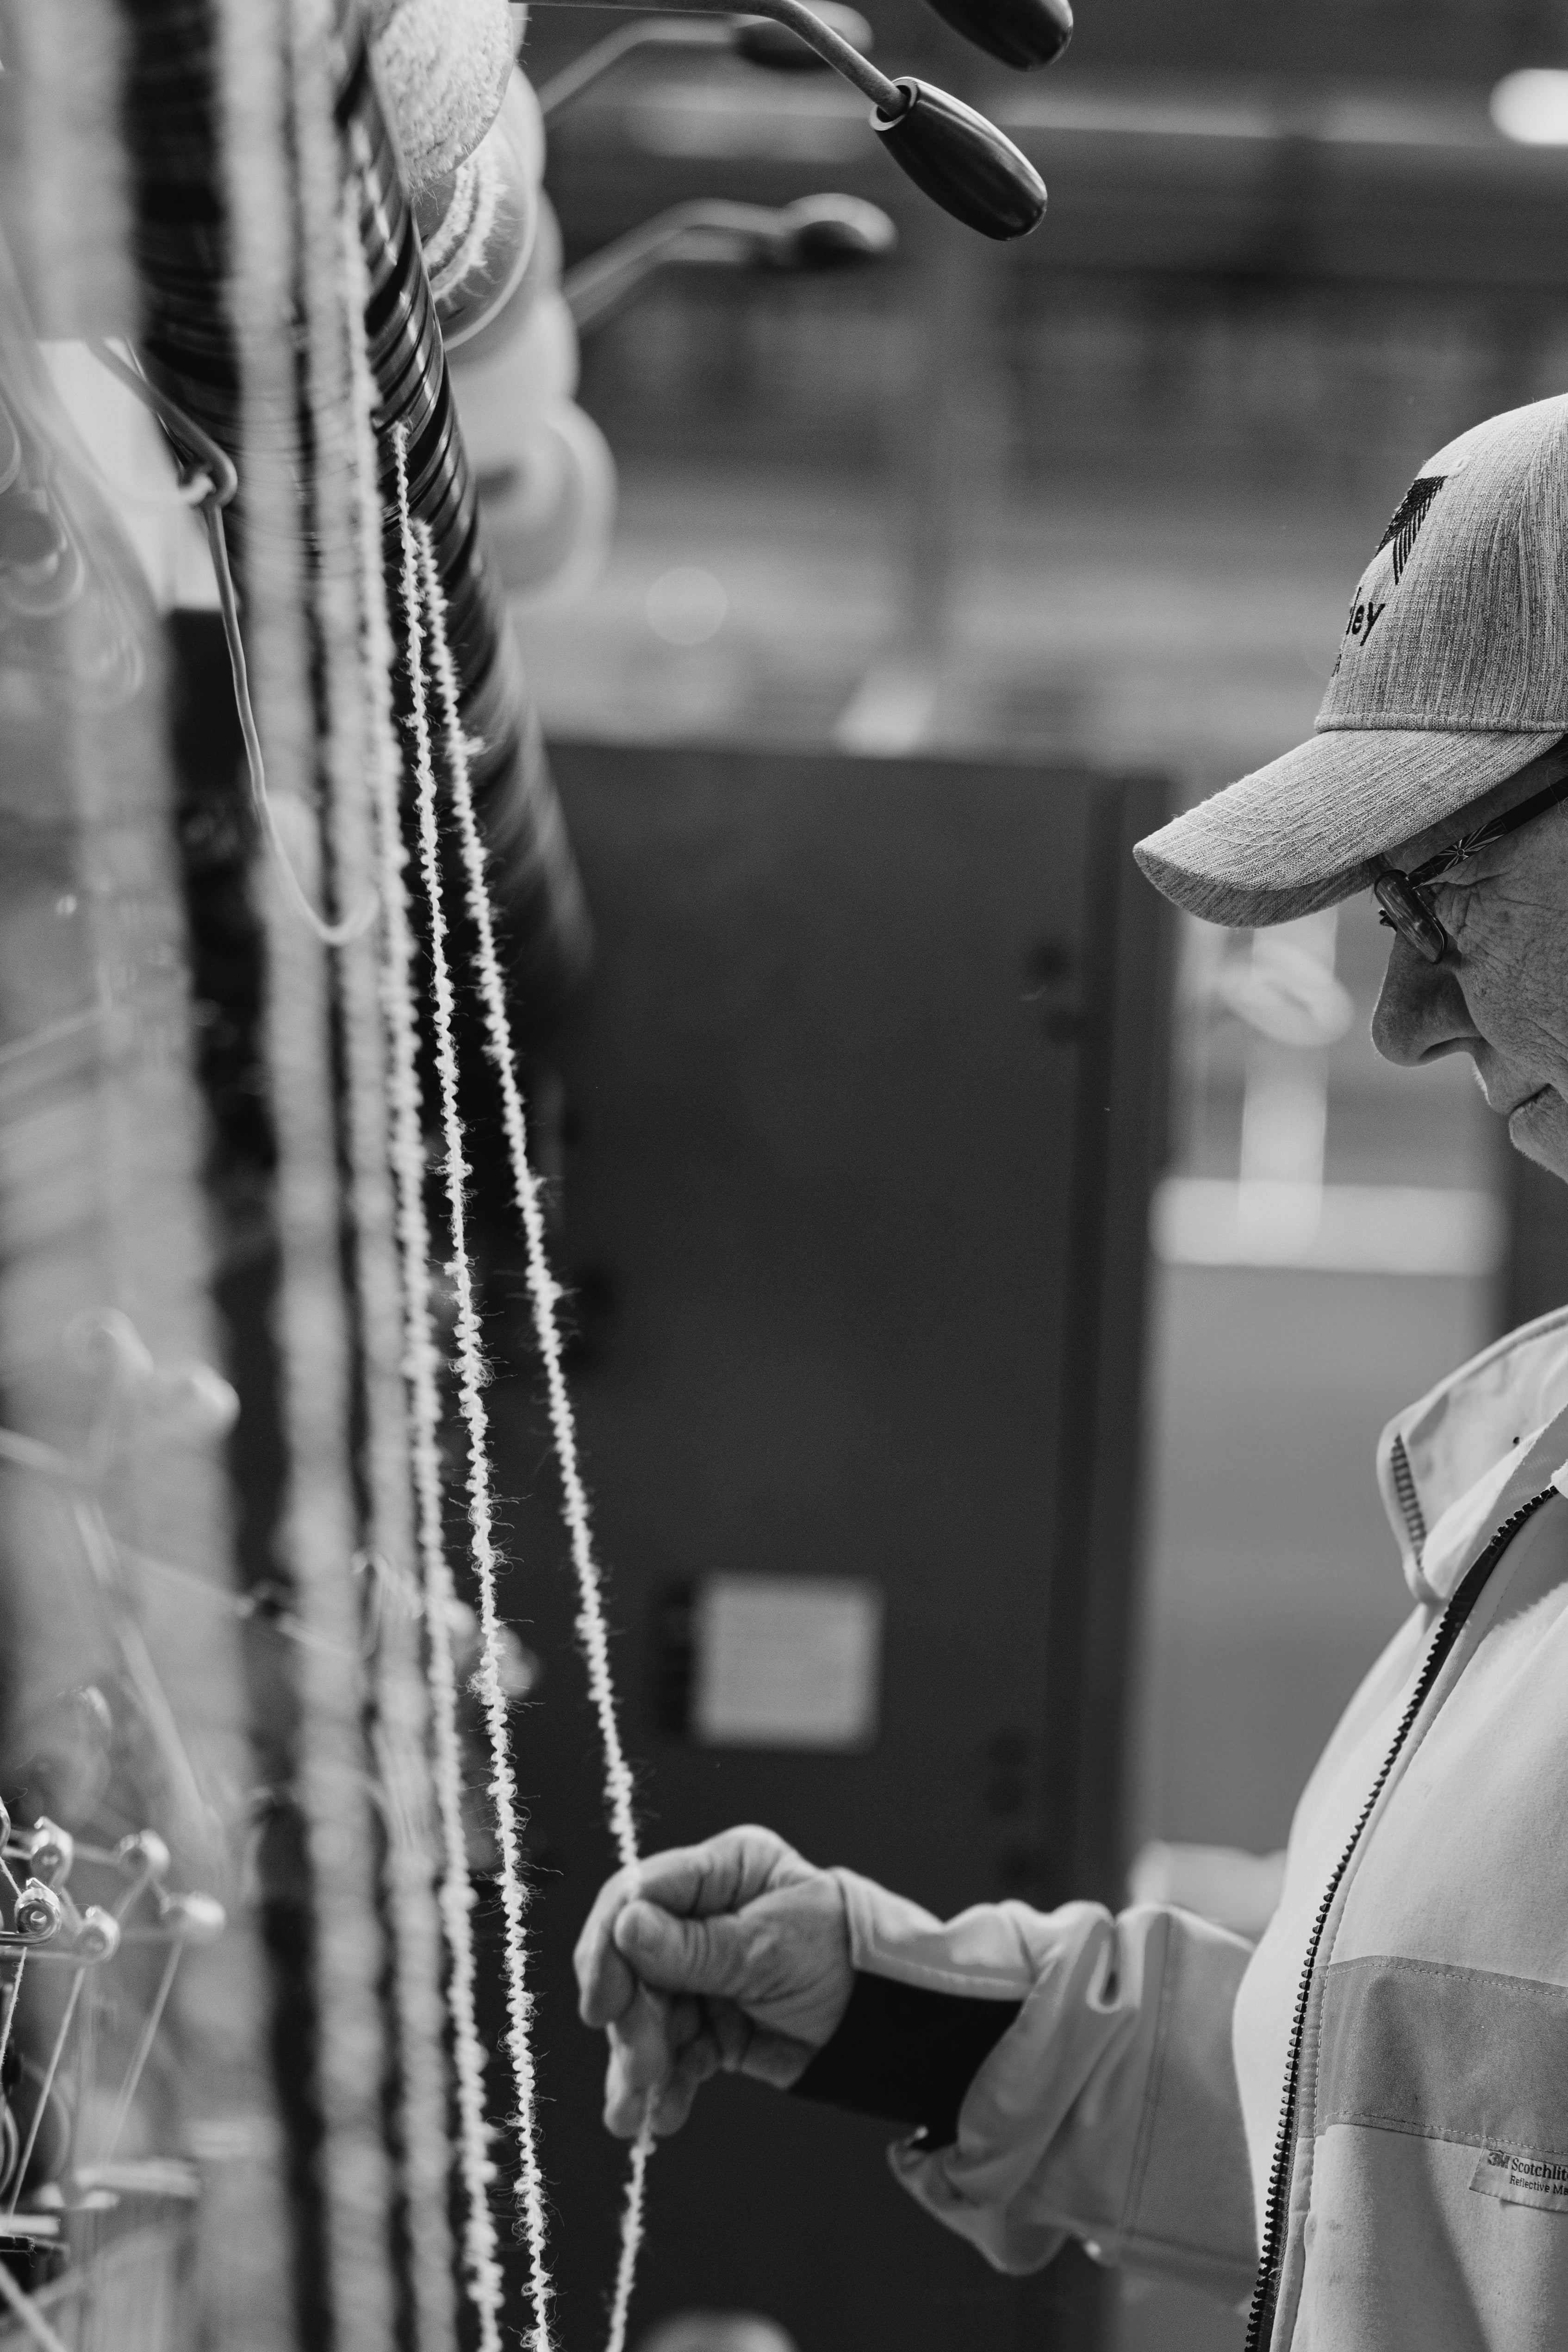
(1532, 106)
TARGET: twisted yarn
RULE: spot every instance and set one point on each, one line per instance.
(471, 1384)
(544, 1291)
(357, 676)
(421, 1370)
(271, 90)
(544, 1294)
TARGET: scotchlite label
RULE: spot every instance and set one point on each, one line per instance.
(1523, 2180)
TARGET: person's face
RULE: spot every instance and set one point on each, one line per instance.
(1501, 995)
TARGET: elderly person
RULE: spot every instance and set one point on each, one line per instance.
(1374, 2100)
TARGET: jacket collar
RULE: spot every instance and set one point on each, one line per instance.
(1453, 1466)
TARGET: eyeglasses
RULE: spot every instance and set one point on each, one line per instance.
(1406, 899)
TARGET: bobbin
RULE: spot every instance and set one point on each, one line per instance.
(37, 1915)
(187, 347)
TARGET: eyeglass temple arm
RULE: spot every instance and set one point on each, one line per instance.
(1497, 830)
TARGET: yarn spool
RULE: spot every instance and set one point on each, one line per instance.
(527, 838)
(536, 373)
(477, 249)
(540, 275)
(187, 351)
(545, 474)
(444, 65)
(557, 509)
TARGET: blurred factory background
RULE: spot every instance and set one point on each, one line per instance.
(1096, 500)
(987, 1294)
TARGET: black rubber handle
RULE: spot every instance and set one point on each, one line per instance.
(962, 162)
(1022, 33)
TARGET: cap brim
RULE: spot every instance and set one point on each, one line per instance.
(1303, 832)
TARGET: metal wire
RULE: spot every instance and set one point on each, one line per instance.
(56, 2054)
(139, 2055)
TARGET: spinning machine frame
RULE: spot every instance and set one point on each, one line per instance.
(193, 211)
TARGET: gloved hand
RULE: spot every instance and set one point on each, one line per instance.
(732, 1956)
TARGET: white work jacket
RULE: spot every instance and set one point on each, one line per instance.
(1412, 1987)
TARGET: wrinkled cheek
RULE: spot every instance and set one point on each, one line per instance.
(1517, 995)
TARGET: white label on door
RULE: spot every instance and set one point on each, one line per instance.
(786, 1661)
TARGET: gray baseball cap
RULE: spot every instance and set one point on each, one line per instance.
(1452, 674)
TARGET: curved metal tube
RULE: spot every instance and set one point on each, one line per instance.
(834, 50)
(741, 36)
(599, 286)
(730, 235)
(574, 81)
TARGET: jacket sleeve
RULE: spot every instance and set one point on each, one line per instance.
(1108, 2110)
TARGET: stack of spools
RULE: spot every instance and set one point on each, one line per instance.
(473, 145)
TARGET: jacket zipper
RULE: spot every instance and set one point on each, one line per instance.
(1265, 2293)
(1409, 1500)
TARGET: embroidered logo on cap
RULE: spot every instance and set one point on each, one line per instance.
(1405, 524)
(1367, 608)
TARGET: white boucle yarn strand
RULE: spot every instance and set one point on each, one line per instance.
(402, 1726)
(530, 2187)
(544, 1293)
(421, 1367)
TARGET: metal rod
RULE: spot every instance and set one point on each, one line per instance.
(53, 1032)
(187, 347)
(599, 285)
(98, 1547)
(86, 2073)
(29, 1453)
(889, 99)
(56, 2054)
(143, 2050)
(9, 2011)
(221, 480)
(358, 919)
(565, 89)
(242, 1608)
(27, 2312)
